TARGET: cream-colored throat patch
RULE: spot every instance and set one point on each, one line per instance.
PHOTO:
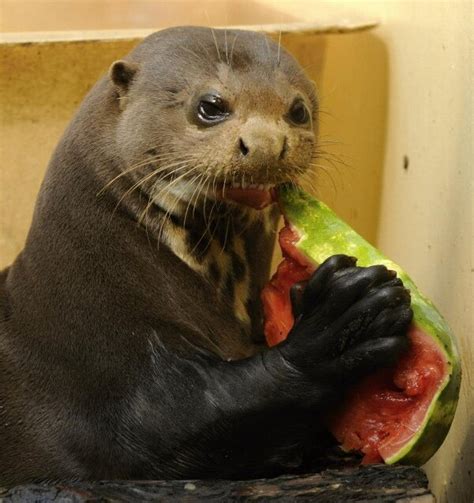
(219, 256)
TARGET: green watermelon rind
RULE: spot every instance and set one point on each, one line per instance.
(322, 234)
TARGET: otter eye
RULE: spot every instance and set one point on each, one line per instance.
(299, 113)
(212, 109)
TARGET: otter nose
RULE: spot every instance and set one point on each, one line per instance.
(264, 147)
(262, 142)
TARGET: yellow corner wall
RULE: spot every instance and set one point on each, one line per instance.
(41, 86)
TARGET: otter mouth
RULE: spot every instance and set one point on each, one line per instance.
(253, 195)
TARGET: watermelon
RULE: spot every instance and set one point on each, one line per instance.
(398, 414)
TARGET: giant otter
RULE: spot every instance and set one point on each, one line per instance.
(131, 340)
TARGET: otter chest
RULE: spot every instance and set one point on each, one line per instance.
(222, 252)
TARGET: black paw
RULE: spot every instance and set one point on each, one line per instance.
(349, 320)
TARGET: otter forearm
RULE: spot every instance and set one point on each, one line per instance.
(253, 417)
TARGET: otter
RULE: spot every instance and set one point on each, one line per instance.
(131, 341)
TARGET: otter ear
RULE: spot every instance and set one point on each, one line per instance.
(122, 73)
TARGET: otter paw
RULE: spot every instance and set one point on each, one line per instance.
(350, 319)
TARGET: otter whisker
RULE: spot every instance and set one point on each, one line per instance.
(338, 157)
(187, 49)
(322, 147)
(204, 48)
(205, 230)
(206, 189)
(320, 152)
(142, 181)
(325, 112)
(144, 213)
(316, 165)
(151, 200)
(155, 158)
(214, 183)
(195, 194)
(222, 250)
(168, 212)
(123, 173)
(215, 42)
(232, 50)
(309, 182)
(279, 48)
(224, 184)
(167, 186)
(216, 204)
(177, 199)
(328, 139)
(225, 45)
(199, 192)
(316, 168)
(333, 160)
(135, 167)
(324, 170)
(207, 219)
(228, 219)
(205, 200)
(135, 186)
(192, 182)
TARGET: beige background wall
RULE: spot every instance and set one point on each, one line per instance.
(426, 209)
(430, 122)
(403, 90)
(46, 15)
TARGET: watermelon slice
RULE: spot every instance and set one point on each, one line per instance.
(399, 414)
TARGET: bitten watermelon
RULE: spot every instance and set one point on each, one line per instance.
(401, 414)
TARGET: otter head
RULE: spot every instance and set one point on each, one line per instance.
(214, 114)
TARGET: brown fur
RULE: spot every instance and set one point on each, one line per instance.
(103, 278)
(125, 344)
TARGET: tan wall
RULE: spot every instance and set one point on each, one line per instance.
(41, 87)
(67, 15)
(402, 90)
(431, 123)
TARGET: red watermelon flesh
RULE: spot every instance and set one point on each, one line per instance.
(384, 411)
(276, 295)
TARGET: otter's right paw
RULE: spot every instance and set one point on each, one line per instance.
(349, 321)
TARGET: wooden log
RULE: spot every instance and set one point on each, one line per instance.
(375, 483)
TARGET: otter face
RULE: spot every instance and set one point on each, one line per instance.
(220, 114)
